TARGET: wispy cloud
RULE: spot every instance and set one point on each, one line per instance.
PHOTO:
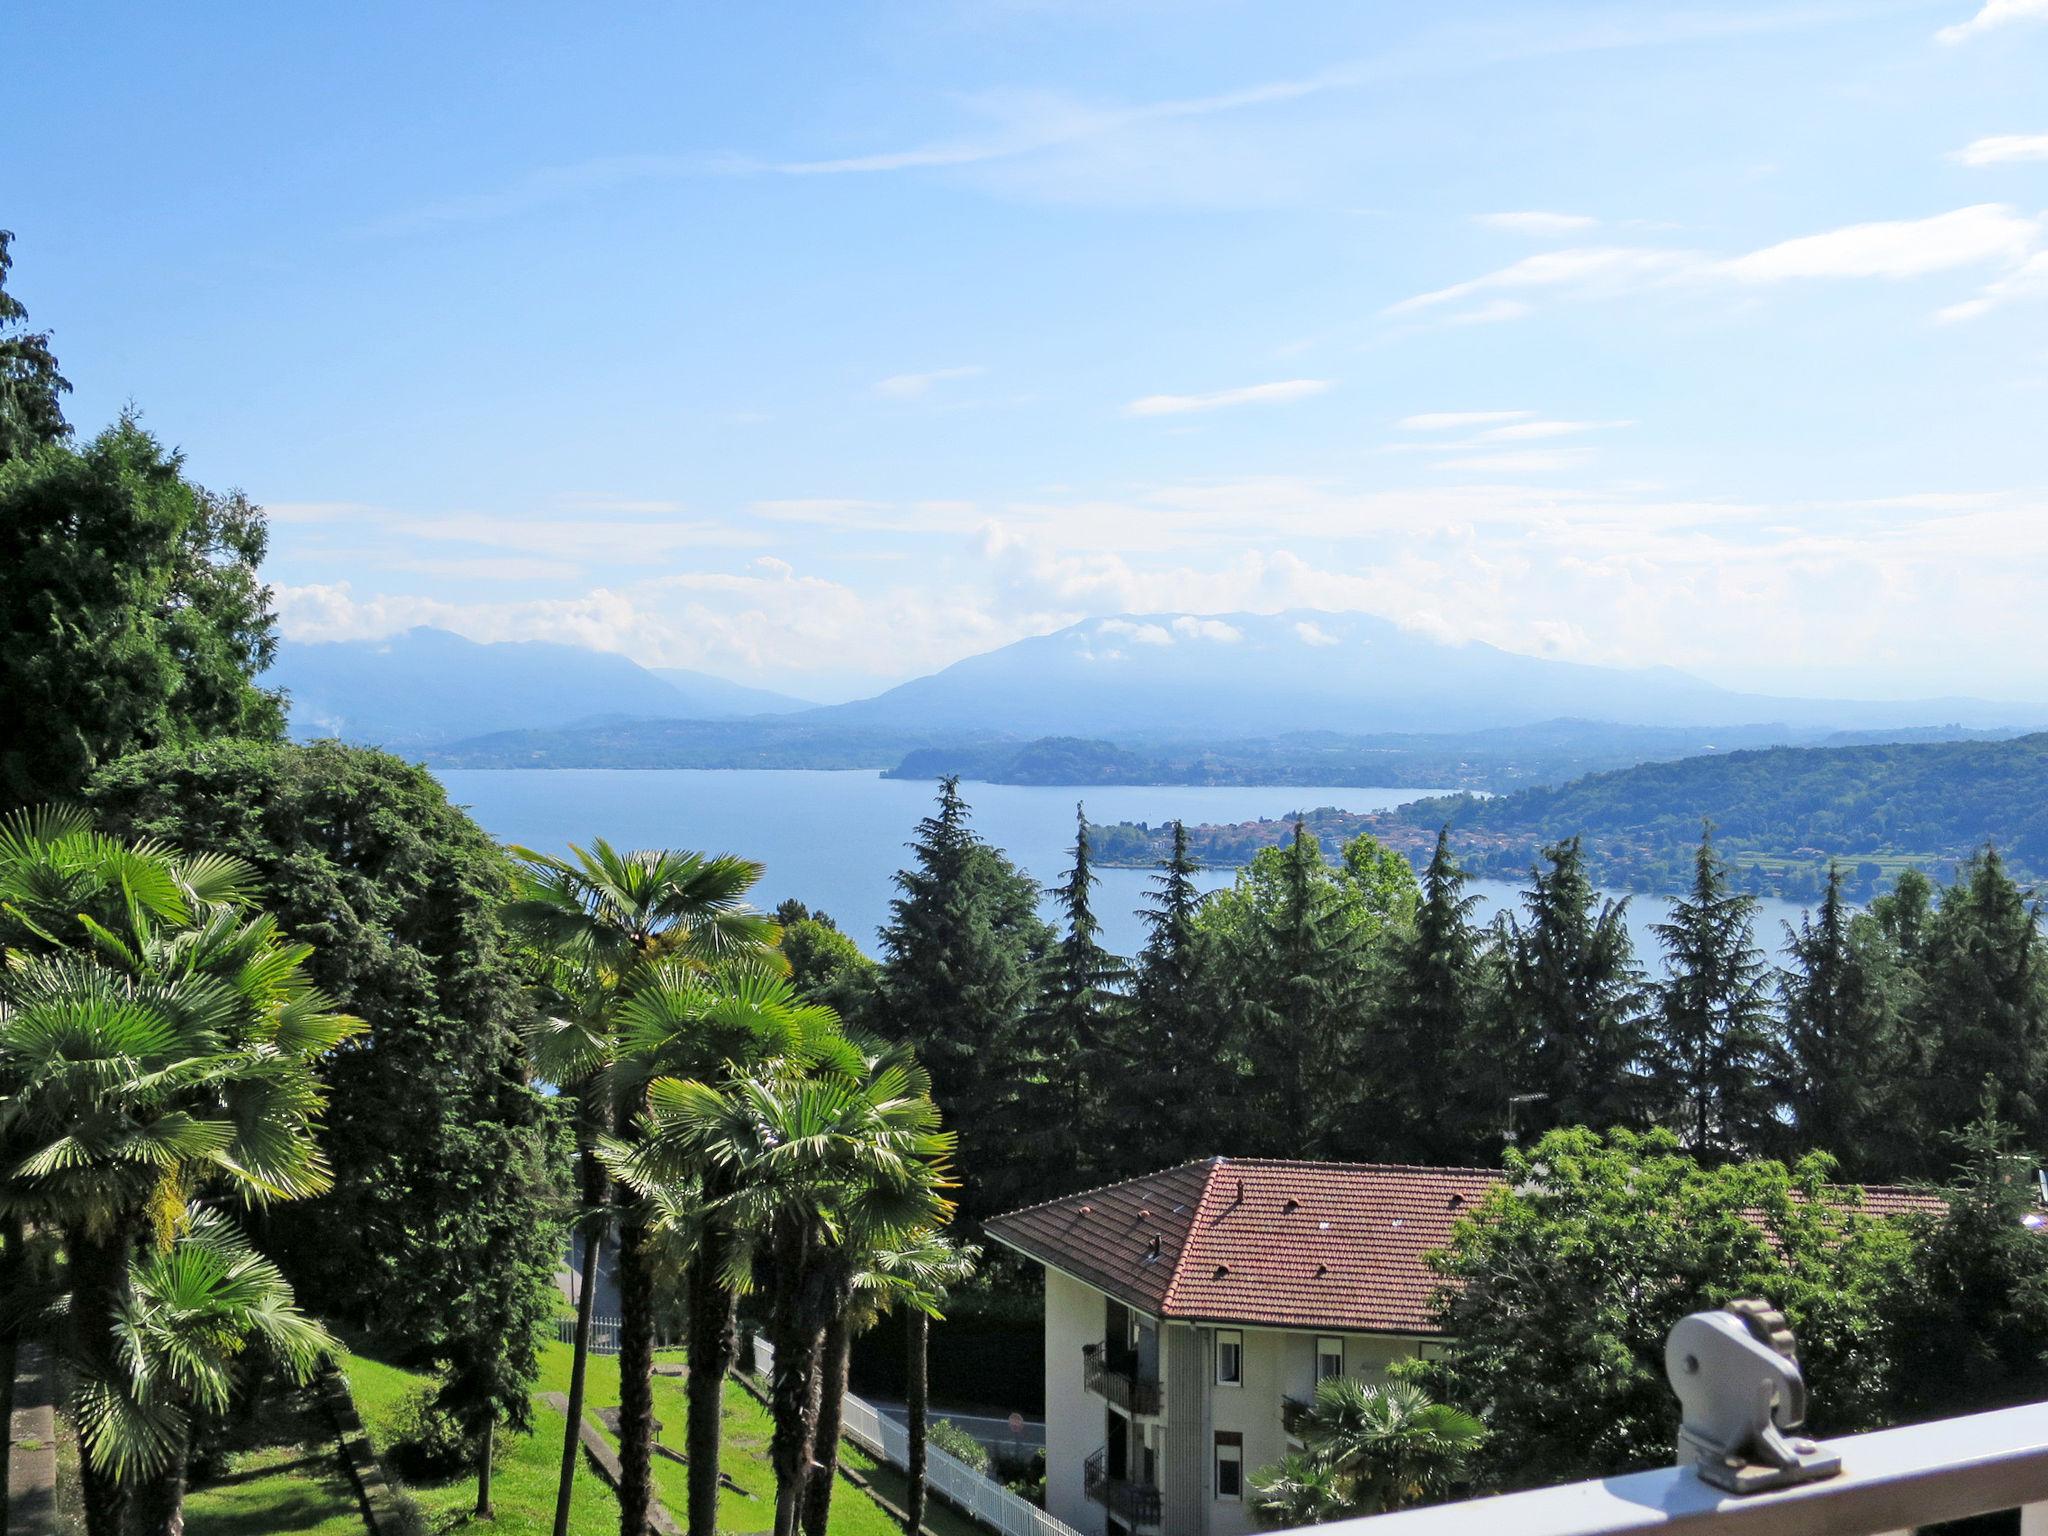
(1458, 421)
(1983, 235)
(2003, 149)
(1276, 393)
(1995, 13)
(911, 386)
(1536, 222)
(1536, 431)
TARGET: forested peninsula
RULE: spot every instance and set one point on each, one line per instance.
(1781, 816)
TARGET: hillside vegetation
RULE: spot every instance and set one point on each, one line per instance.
(1780, 815)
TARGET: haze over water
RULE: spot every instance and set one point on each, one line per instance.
(835, 840)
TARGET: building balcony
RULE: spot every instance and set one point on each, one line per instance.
(1135, 1502)
(1292, 1411)
(1117, 1377)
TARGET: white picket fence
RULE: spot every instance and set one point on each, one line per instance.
(945, 1474)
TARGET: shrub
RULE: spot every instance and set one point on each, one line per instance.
(956, 1442)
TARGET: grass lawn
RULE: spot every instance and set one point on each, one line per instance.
(524, 1488)
(283, 1474)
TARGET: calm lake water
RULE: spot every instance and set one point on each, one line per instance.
(835, 839)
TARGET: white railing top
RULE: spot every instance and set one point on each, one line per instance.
(1891, 1480)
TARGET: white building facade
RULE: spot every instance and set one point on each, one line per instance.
(1190, 1314)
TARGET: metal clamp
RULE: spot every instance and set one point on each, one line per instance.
(1736, 1373)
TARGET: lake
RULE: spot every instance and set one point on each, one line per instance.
(834, 840)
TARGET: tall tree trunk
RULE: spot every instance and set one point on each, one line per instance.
(711, 1351)
(916, 1409)
(797, 1323)
(831, 1418)
(166, 1495)
(99, 1286)
(636, 1376)
(593, 1183)
(483, 1469)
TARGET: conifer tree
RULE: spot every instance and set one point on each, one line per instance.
(1838, 1068)
(1573, 1000)
(1980, 1014)
(1300, 972)
(961, 961)
(1713, 1019)
(1061, 1101)
(1440, 1053)
(1176, 1072)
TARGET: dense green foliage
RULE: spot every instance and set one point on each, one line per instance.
(1571, 1273)
(440, 1145)
(31, 410)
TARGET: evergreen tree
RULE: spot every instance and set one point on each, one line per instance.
(1973, 1334)
(961, 959)
(1299, 969)
(1839, 1068)
(1714, 1025)
(1572, 1002)
(1176, 1075)
(1980, 1013)
(131, 614)
(1061, 1102)
(1440, 1055)
(1903, 913)
(441, 1148)
(31, 413)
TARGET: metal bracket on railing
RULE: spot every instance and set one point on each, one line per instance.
(1736, 1373)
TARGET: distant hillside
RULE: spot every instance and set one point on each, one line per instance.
(1506, 758)
(1780, 816)
(1181, 677)
(428, 686)
(757, 743)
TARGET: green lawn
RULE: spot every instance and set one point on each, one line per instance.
(284, 1474)
(524, 1487)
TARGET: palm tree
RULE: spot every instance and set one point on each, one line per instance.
(914, 1270)
(685, 1032)
(1300, 1489)
(1388, 1446)
(153, 1041)
(194, 1309)
(598, 920)
(848, 1145)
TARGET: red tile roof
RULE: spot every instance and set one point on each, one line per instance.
(1244, 1240)
(1283, 1244)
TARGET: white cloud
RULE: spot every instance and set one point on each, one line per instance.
(1967, 237)
(912, 386)
(2024, 282)
(1983, 235)
(1141, 634)
(1580, 267)
(1457, 421)
(2003, 149)
(1314, 634)
(1532, 431)
(1536, 461)
(1251, 394)
(1995, 13)
(1493, 312)
(1536, 222)
(1192, 628)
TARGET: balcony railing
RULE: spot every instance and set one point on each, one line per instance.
(1892, 1480)
(1117, 1378)
(1292, 1410)
(1135, 1502)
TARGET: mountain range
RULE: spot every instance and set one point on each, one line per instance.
(426, 687)
(1130, 679)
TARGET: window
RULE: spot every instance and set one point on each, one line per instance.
(1229, 1466)
(1229, 1357)
(1329, 1358)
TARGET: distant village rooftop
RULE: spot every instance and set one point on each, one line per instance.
(1283, 1244)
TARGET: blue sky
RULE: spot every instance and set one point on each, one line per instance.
(821, 344)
